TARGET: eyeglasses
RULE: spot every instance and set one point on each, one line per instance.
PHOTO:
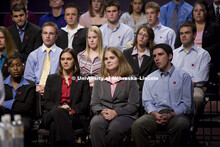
(143, 35)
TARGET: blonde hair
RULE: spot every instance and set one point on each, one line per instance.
(10, 46)
(124, 68)
(96, 30)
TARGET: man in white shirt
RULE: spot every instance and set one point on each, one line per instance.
(73, 35)
(162, 33)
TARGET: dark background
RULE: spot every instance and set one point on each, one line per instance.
(40, 7)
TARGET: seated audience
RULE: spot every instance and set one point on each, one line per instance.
(135, 16)
(19, 95)
(114, 100)
(162, 33)
(168, 101)
(196, 62)
(90, 58)
(8, 18)
(95, 15)
(56, 15)
(66, 101)
(44, 60)
(73, 35)
(26, 35)
(115, 33)
(7, 49)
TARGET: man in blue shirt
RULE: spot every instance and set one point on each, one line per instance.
(56, 15)
(184, 13)
(196, 62)
(167, 99)
(36, 59)
(114, 33)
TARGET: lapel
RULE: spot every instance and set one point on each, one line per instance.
(133, 60)
(59, 88)
(26, 36)
(145, 63)
(16, 36)
(72, 90)
(120, 86)
(106, 88)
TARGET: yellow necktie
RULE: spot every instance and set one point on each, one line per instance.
(46, 69)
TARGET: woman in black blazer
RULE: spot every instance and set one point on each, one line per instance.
(141, 59)
(114, 102)
(66, 100)
(19, 95)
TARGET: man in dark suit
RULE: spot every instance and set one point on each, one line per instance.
(214, 11)
(73, 35)
(27, 36)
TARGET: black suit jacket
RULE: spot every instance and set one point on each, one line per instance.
(212, 12)
(79, 94)
(79, 41)
(24, 99)
(147, 66)
(32, 38)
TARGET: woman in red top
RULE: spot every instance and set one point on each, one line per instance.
(66, 100)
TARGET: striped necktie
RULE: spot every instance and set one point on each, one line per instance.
(217, 16)
(46, 69)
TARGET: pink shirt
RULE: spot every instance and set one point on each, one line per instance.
(113, 85)
(198, 39)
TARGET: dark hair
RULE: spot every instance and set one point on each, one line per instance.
(150, 34)
(203, 4)
(112, 3)
(18, 7)
(130, 10)
(76, 69)
(72, 5)
(16, 55)
(189, 24)
(165, 47)
(101, 13)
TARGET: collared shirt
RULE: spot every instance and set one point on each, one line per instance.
(128, 19)
(60, 21)
(71, 34)
(2, 59)
(184, 13)
(198, 39)
(196, 63)
(65, 93)
(215, 7)
(88, 67)
(2, 89)
(118, 37)
(140, 58)
(8, 104)
(164, 34)
(21, 31)
(35, 62)
(171, 90)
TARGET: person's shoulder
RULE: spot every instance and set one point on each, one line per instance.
(128, 51)
(124, 15)
(31, 83)
(187, 5)
(166, 5)
(12, 27)
(33, 27)
(86, 14)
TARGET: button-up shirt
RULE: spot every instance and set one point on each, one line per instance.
(35, 62)
(117, 37)
(164, 34)
(170, 90)
(60, 21)
(21, 32)
(196, 63)
(2, 89)
(128, 19)
(2, 59)
(184, 13)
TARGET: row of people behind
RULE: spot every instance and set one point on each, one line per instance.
(73, 35)
(139, 57)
